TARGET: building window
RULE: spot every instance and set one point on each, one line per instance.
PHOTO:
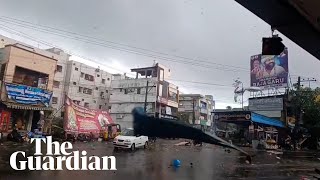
(125, 91)
(100, 106)
(54, 100)
(76, 102)
(82, 74)
(56, 84)
(87, 91)
(88, 77)
(109, 107)
(80, 89)
(138, 90)
(86, 105)
(74, 83)
(94, 101)
(101, 94)
(59, 68)
(98, 75)
(108, 79)
(103, 81)
(30, 78)
(97, 88)
(107, 91)
(82, 99)
(105, 103)
(120, 89)
(76, 68)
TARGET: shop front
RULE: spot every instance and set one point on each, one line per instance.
(253, 128)
(25, 108)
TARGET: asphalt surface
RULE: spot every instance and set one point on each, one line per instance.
(197, 163)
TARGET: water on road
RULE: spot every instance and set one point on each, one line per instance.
(197, 163)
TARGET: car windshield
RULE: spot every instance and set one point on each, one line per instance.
(128, 132)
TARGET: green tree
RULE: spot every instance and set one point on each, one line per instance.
(307, 100)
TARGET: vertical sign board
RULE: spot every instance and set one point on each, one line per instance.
(268, 71)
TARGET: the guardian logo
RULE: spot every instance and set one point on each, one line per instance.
(62, 154)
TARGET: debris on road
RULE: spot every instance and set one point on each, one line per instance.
(184, 143)
(176, 163)
(275, 152)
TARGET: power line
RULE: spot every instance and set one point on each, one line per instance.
(18, 33)
(48, 44)
(190, 61)
(21, 22)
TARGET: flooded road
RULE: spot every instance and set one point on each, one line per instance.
(197, 163)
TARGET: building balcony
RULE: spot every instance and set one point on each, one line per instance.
(204, 111)
(131, 83)
(131, 98)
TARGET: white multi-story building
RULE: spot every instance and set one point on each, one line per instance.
(88, 86)
(127, 93)
(59, 81)
(196, 107)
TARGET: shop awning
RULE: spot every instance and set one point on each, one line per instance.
(27, 107)
(258, 118)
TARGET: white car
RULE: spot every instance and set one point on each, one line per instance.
(127, 140)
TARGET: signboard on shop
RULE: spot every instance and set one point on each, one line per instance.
(234, 116)
(266, 104)
(162, 100)
(28, 95)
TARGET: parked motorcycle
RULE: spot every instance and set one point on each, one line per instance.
(83, 137)
(14, 136)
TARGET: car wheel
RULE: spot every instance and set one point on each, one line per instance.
(145, 145)
(133, 147)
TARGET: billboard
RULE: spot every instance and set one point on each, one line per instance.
(269, 71)
(79, 119)
(28, 95)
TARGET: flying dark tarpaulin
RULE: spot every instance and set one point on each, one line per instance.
(164, 128)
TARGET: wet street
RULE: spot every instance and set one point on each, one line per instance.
(197, 163)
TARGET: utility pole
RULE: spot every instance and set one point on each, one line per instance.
(193, 112)
(297, 115)
(242, 92)
(146, 97)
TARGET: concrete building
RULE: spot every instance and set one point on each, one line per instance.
(26, 87)
(127, 93)
(60, 73)
(84, 84)
(196, 105)
(88, 86)
(59, 80)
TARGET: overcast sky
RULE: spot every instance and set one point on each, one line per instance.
(135, 33)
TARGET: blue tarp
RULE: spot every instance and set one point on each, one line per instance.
(258, 118)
